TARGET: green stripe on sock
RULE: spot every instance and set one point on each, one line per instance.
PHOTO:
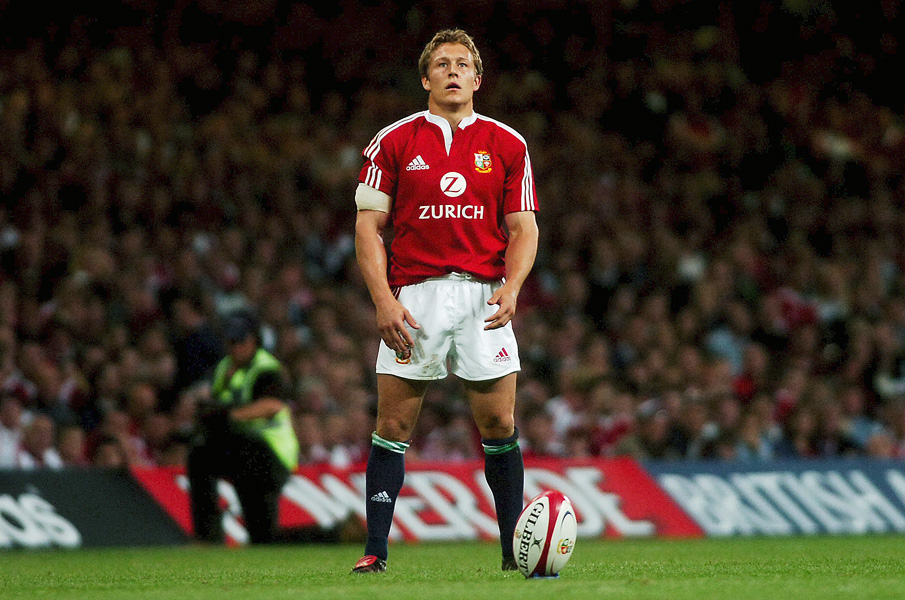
(500, 449)
(397, 447)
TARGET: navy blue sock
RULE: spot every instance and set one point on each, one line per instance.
(505, 473)
(384, 477)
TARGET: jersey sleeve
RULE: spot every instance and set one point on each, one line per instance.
(518, 192)
(379, 170)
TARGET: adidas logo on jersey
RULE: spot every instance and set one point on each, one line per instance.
(381, 497)
(417, 164)
(502, 356)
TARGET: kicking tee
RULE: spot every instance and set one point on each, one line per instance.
(451, 194)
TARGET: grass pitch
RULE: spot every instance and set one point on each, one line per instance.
(735, 569)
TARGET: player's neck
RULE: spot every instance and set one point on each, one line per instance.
(454, 114)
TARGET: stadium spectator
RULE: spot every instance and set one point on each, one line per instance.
(578, 443)
(335, 435)
(309, 431)
(859, 427)
(71, 445)
(754, 376)
(159, 433)
(650, 439)
(695, 429)
(174, 452)
(37, 448)
(833, 439)
(13, 420)
(452, 439)
(117, 424)
(570, 408)
(754, 442)
(614, 417)
(730, 338)
(539, 436)
(109, 453)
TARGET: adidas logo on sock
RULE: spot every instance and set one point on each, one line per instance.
(381, 497)
(502, 356)
(417, 164)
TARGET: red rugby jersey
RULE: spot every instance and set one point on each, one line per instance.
(451, 193)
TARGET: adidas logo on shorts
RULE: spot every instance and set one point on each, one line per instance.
(381, 497)
(502, 356)
(417, 164)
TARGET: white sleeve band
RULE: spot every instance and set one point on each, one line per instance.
(368, 198)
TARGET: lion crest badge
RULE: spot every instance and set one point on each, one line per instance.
(482, 162)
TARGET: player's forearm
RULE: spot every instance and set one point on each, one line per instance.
(520, 254)
(372, 261)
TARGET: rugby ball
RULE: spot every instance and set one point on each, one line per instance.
(545, 535)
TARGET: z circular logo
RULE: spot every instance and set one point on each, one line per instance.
(452, 184)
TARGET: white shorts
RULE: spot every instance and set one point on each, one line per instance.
(451, 312)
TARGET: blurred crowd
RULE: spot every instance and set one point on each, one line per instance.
(720, 272)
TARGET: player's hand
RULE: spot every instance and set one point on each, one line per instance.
(392, 319)
(506, 299)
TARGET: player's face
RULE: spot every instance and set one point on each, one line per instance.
(451, 78)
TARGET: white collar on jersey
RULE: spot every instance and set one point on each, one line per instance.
(446, 128)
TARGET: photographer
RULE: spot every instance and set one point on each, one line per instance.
(244, 435)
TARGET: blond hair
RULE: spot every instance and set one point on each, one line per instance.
(450, 36)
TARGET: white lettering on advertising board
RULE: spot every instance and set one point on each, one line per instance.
(782, 503)
(454, 508)
(30, 521)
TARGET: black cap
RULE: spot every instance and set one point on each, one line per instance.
(238, 326)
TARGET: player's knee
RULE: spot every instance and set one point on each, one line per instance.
(494, 427)
(394, 430)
